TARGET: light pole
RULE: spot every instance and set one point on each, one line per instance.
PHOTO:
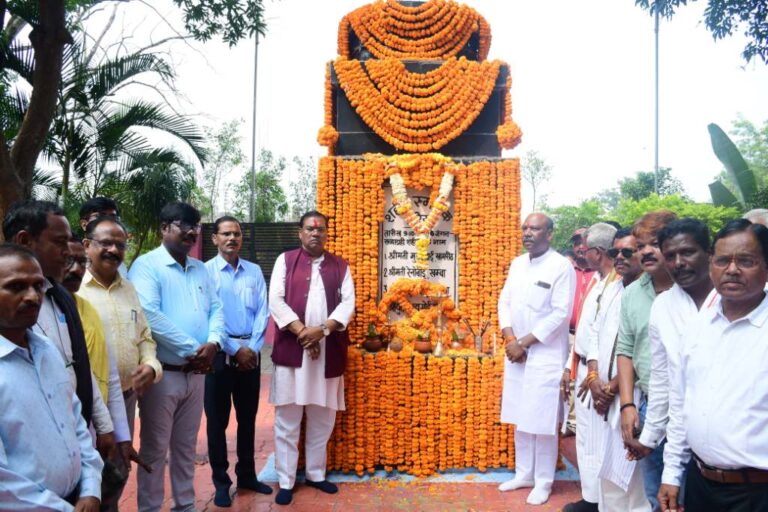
(253, 131)
(656, 121)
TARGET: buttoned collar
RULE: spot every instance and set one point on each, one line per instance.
(7, 346)
(90, 280)
(166, 259)
(223, 264)
(756, 317)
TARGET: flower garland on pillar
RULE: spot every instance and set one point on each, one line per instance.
(436, 29)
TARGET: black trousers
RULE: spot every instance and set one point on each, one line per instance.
(702, 495)
(225, 386)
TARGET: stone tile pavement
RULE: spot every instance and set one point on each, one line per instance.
(364, 497)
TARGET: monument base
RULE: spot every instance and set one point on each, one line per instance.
(421, 414)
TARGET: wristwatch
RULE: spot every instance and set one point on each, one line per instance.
(326, 330)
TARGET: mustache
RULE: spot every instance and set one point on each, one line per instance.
(27, 306)
(648, 257)
(72, 278)
(110, 256)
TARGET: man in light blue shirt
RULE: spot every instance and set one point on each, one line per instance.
(47, 458)
(185, 315)
(237, 368)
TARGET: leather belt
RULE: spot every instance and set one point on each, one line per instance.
(731, 476)
(239, 336)
(173, 367)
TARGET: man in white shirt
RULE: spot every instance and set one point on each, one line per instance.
(42, 227)
(599, 238)
(47, 460)
(534, 311)
(621, 483)
(723, 387)
(311, 300)
(684, 247)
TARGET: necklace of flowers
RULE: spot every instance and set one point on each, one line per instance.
(404, 208)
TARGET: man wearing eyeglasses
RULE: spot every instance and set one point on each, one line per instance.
(236, 373)
(598, 239)
(722, 385)
(98, 207)
(187, 324)
(620, 480)
(126, 330)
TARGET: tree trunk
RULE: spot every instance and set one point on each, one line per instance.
(17, 165)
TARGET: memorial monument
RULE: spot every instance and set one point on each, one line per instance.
(427, 213)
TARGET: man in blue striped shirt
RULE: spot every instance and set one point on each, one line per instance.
(187, 324)
(237, 368)
(47, 458)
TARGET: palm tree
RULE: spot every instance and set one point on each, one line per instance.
(95, 135)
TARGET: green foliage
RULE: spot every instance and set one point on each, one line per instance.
(736, 167)
(641, 185)
(270, 203)
(715, 217)
(225, 154)
(569, 218)
(752, 143)
(723, 17)
(232, 19)
(304, 188)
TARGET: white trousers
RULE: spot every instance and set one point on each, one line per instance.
(589, 443)
(614, 499)
(170, 414)
(320, 422)
(535, 458)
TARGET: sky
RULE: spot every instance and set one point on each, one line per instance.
(582, 92)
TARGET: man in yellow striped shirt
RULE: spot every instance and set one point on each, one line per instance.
(125, 326)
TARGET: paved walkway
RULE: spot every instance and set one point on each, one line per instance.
(364, 497)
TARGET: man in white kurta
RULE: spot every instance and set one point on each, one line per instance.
(534, 310)
(621, 482)
(684, 244)
(599, 238)
(306, 389)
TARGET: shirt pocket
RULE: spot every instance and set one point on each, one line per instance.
(248, 293)
(538, 297)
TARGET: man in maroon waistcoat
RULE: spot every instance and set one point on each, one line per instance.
(311, 300)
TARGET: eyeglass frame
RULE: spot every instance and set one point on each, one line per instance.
(189, 227)
(733, 258)
(120, 246)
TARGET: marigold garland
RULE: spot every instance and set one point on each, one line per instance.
(417, 112)
(350, 192)
(436, 29)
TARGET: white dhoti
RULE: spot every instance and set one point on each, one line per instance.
(589, 442)
(621, 481)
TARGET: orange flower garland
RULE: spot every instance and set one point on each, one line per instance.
(350, 192)
(437, 29)
(413, 111)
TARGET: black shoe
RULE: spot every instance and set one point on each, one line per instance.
(252, 484)
(324, 486)
(580, 506)
(222, 497)
(284, 496)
